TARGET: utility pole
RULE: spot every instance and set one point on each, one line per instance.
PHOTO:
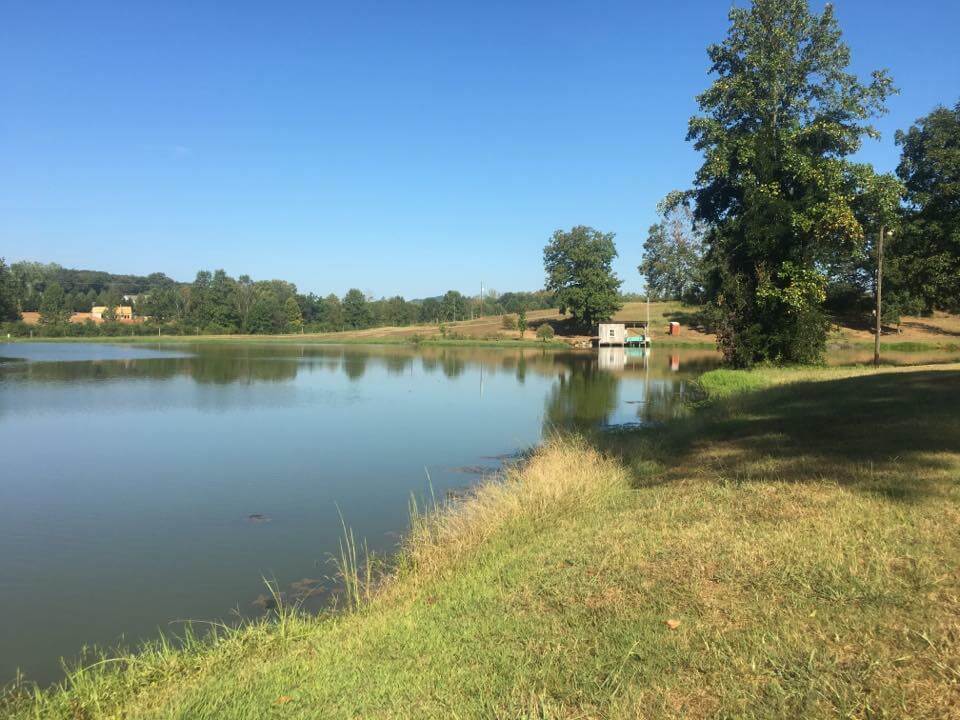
(647, 331)
(481, 300)
(878, 311)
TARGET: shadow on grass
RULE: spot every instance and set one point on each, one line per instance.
(896, 434)
(929, 328)
(565, 326)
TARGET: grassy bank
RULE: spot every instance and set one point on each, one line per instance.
(790, 549)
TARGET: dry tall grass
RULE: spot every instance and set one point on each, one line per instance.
(565, 473)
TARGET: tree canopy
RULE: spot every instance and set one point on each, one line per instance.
(9, 309)
(215, 302)
(53, 308)
(579, 272)
(927, 252)
(775, 128)
(673, 263)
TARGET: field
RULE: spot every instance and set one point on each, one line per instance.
(939, 331)
(789, 549)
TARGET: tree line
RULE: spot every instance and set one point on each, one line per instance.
(780, 230)
(216, 303)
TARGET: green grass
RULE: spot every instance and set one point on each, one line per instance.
(800, 526)
(904, 346)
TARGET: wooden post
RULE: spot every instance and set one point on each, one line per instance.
(879, 310)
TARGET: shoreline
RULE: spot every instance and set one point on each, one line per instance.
(581, 499)
(406, 341)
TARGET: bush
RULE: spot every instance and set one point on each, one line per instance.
(16, 328)
(509, 322)
(545, 332)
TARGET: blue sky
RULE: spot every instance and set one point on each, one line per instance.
(396, 147)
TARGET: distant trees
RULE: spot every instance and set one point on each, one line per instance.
(356, 310)
(216, 303)
(775, 188)
(9, 309)
(926, 254)
(244, 296)
(267, 315)
(512, 302)
(580, 274)
(331, 314)
(673, 262)
(292, 315)
(163, 304)
(53, 305)
(82, 288)
(398, 312)
(453, 307)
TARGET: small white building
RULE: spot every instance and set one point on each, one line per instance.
(613, 334)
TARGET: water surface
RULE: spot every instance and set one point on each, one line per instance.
(141, 486)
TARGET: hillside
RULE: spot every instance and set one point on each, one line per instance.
(940, 329)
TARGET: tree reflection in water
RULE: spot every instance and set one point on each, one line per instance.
(585, 387)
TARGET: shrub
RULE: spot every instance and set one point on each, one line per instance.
(545, 332)
(509, 322)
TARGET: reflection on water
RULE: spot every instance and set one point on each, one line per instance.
(141, 485)
(144, 484)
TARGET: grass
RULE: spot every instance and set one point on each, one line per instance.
(788, 549)
(912, 346)
(940, 331)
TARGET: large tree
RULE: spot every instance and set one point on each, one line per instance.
(775, 128)
(927, 253)
(579, 271)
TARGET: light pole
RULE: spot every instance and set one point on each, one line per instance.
(879, 309)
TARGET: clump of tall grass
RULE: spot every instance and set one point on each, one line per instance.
(565, 474)
(355, 573)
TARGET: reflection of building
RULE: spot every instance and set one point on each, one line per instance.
(612, 358)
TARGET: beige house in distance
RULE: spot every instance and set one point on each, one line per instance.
(122, 312)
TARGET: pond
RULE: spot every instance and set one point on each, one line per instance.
(144, 485)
